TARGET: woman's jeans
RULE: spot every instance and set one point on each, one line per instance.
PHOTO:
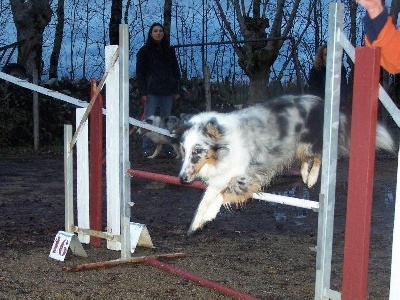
(165, 105)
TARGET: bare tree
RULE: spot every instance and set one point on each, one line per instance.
(5, 15)
(309, 16)
(256, 58)
(71, 45)
(126, 14)
(58, 37)
(86, 39)
(115, 20)
(317, 20)
(31, 18)
(167, 18)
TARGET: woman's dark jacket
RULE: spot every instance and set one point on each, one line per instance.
(157, 70)
(316, 85)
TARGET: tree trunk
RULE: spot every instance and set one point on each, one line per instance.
(257, 58)
(31, 18)
(86, 39)
(115, 20)
(167, 19)
(53, 69)
(317, 25)
(258, 87)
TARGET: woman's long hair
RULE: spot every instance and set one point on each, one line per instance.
(150, 41)
(319, 57)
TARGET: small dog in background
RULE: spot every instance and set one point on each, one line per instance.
(170, 123)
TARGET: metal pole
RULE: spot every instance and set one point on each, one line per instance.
(395, 268)
(68, 179)
(125, 191)
(329, 154)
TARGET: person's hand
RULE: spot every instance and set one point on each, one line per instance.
(373, 7)
(177, 96)
(143, 101)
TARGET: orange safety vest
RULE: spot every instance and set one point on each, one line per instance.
(389, 42)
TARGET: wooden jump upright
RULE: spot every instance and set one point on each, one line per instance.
(361, 173)
(95, 164)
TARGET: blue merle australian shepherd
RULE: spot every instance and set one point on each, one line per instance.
(239, 153)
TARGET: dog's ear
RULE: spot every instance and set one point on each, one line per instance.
(184, 117)
(213, 129)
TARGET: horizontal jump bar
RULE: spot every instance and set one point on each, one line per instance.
(303, 203)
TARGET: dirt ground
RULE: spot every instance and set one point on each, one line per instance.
(262, 250)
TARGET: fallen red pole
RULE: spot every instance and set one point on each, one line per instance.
(197, 279)
(165, 178)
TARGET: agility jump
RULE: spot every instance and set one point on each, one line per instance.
(327, 195)
(357, 273)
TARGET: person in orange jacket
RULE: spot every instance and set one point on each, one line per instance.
(380, 31)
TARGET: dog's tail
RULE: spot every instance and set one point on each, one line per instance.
(384, 139)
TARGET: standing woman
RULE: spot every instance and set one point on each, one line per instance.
(158, 76)
(317, 77)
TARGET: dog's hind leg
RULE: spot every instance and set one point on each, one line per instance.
(177, 151)
(207, 210)
(156, 151)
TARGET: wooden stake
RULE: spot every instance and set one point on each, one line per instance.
(118, 262)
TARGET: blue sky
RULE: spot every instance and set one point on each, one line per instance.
(94, 32)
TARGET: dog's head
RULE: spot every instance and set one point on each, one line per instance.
(172, 123)
(152, 120)
(203, 143)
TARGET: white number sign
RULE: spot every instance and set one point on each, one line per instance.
(62, 242)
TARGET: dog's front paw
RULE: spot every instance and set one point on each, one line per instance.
(313, 177)
(206, 211)
(192, 229)
(305, 171)
(310, 175)
(198, 223)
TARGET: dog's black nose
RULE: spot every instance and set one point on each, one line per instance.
(183, 178)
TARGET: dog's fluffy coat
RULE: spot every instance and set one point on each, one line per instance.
(238, 153)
